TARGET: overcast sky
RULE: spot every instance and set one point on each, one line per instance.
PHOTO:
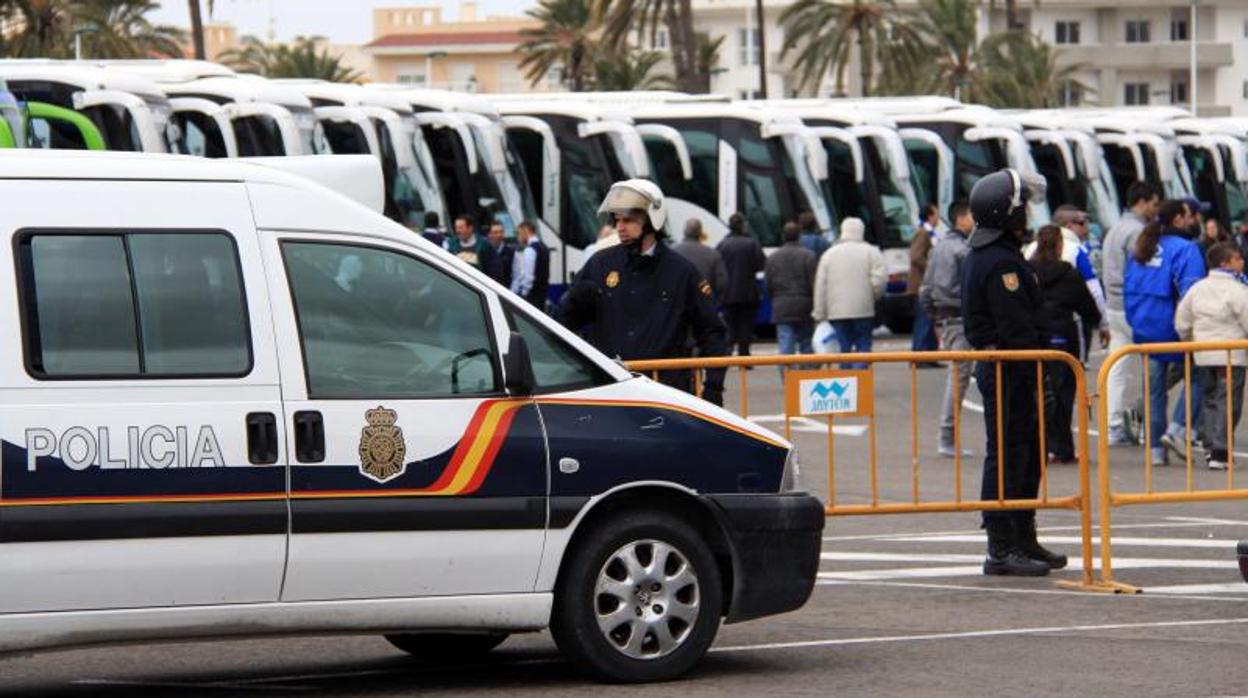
(342, 21)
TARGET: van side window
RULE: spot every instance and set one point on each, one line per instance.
(133, 305)
(557, 367)
(378, 324)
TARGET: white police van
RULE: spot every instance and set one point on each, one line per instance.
(236, 402)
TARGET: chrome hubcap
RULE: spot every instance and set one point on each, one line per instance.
(646, 599)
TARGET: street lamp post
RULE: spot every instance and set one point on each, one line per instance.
(79, 30)
(1191, 36)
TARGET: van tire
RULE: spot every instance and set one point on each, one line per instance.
(607, 624)
(445, 646)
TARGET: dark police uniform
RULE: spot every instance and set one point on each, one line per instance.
(1001, 310)
(645, 307)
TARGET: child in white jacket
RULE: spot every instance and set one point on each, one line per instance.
(1216, 308)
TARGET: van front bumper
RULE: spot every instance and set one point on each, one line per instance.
(775, 542)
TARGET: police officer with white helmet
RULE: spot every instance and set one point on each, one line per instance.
(1001, 310)
(640, 300)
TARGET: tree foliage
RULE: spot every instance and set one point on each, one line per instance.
(932, 49)
(566, 40)
(824, 35)
(624, 17)
(630, 71)
(305, 57)
(107, 28)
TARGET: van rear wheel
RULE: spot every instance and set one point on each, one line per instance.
(640, 599)
(445, 646)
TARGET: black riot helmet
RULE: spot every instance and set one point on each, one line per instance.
(999, 203)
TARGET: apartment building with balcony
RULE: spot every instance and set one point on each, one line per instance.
(1131, 51)
(416, 45)
(1136, 52)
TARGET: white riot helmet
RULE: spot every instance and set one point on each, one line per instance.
(636, 195)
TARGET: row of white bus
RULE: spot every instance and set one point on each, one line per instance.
(550, 158)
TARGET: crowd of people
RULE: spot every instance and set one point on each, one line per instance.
(982, 282)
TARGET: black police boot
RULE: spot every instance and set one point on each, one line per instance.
(1026, 543)
(1004, 558)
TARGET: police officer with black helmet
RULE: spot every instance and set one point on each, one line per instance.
(639, 299)
(1001, 310)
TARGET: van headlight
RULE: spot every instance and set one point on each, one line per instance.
(790, 479)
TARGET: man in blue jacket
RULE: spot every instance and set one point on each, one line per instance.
(1163, 265)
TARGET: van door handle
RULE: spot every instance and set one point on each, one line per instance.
(261, 438)
(309, 437)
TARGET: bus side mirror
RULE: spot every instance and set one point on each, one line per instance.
(518, 368)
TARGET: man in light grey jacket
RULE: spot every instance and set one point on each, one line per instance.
(849, 280)
(941, 296)
(1143, 199)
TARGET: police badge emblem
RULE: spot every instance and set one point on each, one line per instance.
(1011, 281)
(381, 445)
(613, 279)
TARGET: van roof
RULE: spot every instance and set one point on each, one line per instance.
(334, 172)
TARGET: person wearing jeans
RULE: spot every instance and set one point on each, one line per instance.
(849, 279)
(854, 336)
(790, 277)
(1163, 265)
(1143, 199)
(941, 296)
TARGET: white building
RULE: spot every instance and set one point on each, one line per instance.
(1134, 51)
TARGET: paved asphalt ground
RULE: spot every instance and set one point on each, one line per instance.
(900, 608)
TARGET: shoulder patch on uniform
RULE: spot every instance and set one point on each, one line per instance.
(613, 279)
(705, 288)
(1010, 280)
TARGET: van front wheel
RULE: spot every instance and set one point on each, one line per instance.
(640, 599)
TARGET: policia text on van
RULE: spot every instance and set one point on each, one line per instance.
(295, 417)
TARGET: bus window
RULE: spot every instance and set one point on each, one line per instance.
(258, 136)
(975, 159)
(703, 189)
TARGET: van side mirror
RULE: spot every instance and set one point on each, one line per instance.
(518, 368)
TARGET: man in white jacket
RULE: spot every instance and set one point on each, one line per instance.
(1216, 309)
(850, 278)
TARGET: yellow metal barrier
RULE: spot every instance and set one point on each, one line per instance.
(1110, 498)
(1080, 501)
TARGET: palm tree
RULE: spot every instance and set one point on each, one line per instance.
(120, 29)
(708, 52)
(44, 29)
(935, 52)
(567, 38)
(110, 29)
(305, 57)
(627, 72)
(621, 17)
(197, 27)
(824, 32)
(1023, 72)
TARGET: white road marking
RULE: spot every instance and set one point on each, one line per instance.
(1229, 588)
(981, 633)
(1198, 521)
(1017, 590)
(976, 569)
(1184, 522)
(1218, 543)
